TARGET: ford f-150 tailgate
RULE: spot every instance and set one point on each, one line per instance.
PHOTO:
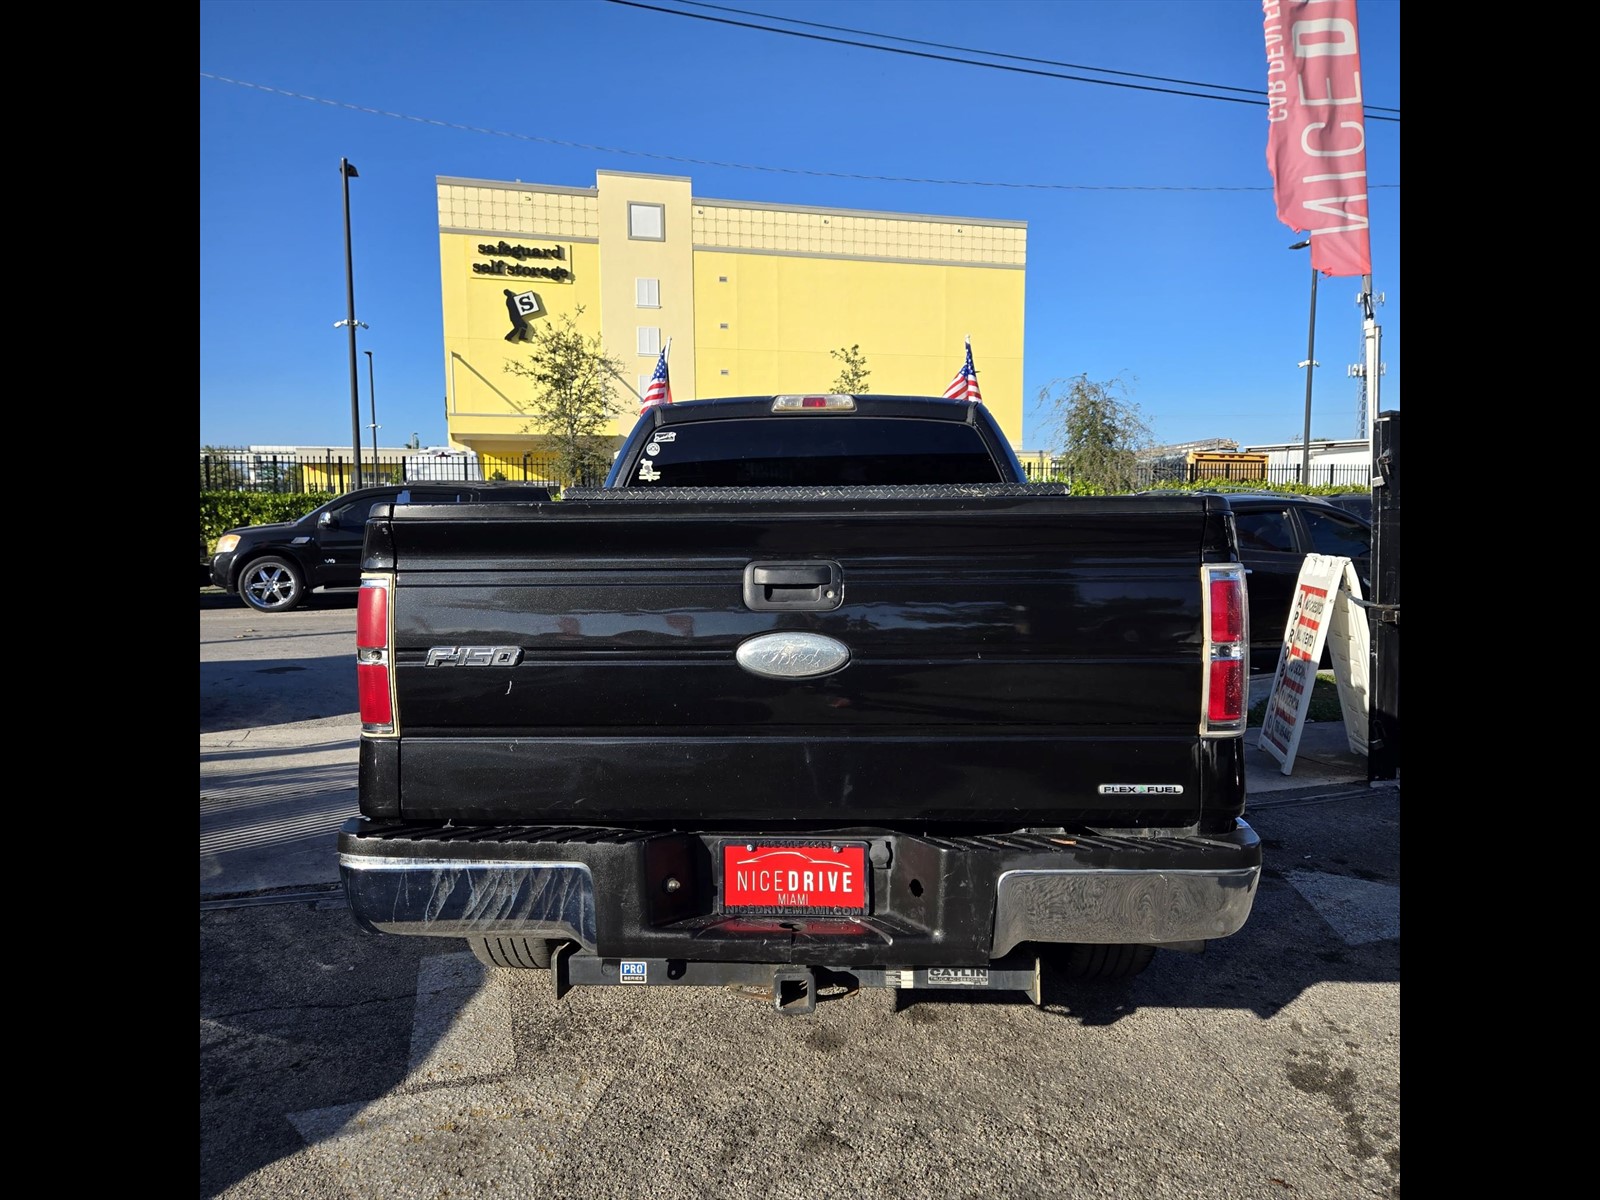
(998, 656)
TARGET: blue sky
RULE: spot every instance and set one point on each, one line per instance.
(1155, 255)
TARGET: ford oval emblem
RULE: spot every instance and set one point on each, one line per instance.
(792, 655)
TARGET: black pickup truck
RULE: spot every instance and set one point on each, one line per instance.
(815, 691)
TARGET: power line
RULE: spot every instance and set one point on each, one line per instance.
(1045, 62)
(963, 61)
(736, 166)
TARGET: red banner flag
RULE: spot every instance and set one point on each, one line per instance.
(1316, 131)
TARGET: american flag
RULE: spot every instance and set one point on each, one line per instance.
(659, 390)
(965, 385)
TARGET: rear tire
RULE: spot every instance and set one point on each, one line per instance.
(1082, 962)
(521, 953)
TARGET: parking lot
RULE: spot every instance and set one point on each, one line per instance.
(339, 1063)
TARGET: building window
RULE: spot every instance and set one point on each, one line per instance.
(724, 325)
(644, 386)
(722, 279)
(647, 221)
(647, 293)
(724, 371)
(649, 339)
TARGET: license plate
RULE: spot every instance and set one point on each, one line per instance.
(772, 877)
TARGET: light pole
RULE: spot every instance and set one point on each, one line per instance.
(355, 430)
(1310, 365)
(347, 172)
(372, 398)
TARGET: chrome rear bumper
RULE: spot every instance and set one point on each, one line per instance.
(935, 900)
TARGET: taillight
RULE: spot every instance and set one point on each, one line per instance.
(1227, 610)
(1226, 656)
(374, 685)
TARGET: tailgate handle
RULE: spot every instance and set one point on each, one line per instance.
(793, 586)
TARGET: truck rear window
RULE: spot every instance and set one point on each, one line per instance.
(814, 451)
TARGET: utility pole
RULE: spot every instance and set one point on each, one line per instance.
(1310, 365)
(372, 398)
(1370, 369)
(1372, 364)
(347, 172)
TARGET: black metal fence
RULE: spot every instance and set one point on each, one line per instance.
(235, 470)
(1351, 475)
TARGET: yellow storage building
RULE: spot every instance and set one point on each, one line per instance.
(752, 296)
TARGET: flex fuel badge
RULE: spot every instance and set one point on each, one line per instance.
(1140, 789)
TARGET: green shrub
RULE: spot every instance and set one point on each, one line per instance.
(1323, 706)
(221, 511)
(1258, 485)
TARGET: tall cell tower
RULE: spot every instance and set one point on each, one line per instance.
(1359, 371)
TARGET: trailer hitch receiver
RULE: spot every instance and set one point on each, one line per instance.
(794, 991)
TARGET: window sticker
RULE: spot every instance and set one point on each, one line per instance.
(648, 472)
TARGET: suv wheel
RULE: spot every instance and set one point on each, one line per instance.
(272, 585)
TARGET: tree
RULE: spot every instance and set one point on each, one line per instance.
(575, 396)
(1099, 431)
(852, 379)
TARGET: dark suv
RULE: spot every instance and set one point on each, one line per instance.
(273, 567)
(1276, 532)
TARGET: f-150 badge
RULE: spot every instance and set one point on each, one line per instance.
(473, 656)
